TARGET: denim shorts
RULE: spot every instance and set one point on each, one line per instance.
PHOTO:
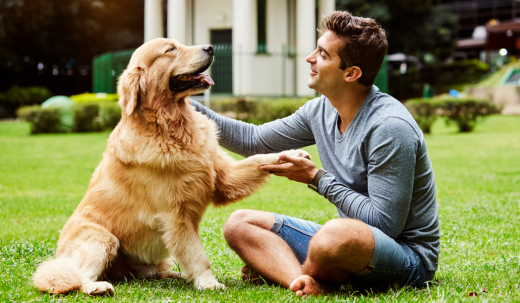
(393, 262)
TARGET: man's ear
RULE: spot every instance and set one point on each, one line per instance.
(353, 73)
(131, 83)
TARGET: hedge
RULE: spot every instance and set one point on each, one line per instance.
(98, 116)
(258, 111)
(425, 112)
(17, 96)
(464, 112)
(89, 98)
(42, 120)
(467, 112)
(87, 117)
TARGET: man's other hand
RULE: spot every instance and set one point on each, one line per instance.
(297, 169)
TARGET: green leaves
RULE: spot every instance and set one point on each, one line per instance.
(467, 112)
(412, 26)
(464, 112)
(85, 116)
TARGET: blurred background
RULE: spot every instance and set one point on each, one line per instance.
(78, 48)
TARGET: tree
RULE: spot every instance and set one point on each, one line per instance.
(413, 27)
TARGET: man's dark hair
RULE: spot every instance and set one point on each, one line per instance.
(364, 43)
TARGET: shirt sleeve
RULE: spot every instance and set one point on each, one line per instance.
(391, 149)
(248, 139)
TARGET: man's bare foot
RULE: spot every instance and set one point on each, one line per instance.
(305, 285)
(251, 276)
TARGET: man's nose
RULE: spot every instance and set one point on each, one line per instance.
(310, 58)
(208, 49)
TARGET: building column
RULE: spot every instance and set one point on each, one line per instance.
(305, 43)
(176, 20)
(326, 7)
(153, 20)
(244, 44)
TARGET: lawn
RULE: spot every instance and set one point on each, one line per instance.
(43, 178)
(495, 77)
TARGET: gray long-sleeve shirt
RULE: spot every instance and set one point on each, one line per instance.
(379, 169)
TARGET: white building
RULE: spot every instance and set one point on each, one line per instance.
(260, 45)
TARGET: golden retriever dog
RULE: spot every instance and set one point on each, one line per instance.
(160, 171)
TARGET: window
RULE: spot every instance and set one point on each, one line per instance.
(261, 20)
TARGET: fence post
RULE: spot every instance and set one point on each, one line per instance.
(284, 83)
(240, 80)
(207, 97)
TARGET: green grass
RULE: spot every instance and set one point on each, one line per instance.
(43, 178)
(495, 78)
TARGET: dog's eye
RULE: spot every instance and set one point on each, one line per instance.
(171, 49)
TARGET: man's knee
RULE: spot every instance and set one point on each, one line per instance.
(339, 238)
(233, 225)
(241, 221)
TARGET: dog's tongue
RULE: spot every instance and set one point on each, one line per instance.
(205, 78)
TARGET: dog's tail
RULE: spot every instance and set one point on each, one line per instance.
(58, 276)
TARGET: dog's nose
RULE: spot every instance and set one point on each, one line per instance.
(208, 49)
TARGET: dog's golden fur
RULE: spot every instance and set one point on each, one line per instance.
(160, 171)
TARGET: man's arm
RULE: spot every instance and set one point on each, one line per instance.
(248, 139)
(391, 150)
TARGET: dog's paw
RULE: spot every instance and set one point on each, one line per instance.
(297, 153)
(208, 281)
(98, 289)
(212, 286)
(169, 275)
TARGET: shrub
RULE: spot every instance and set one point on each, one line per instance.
(464, 112)
(280, 108)
(86, 117)
(245, 110)
(96, 116)
(467, 112)
(110, 114)
(42, 120)
(17, 96)
(258, 111)
(25, 95)
(241, 108)
(424, 111)
(89, 98)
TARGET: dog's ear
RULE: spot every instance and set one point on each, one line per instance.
(131, 83)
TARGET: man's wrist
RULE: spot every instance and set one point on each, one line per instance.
(312, 174)
(316, 180)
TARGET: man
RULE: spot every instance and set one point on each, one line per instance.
(377, 173)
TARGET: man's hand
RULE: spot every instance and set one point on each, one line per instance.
(295, 168)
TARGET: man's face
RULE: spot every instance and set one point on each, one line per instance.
(326, 75)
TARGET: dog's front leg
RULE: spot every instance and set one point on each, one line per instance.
(181, 238)
(238, 179)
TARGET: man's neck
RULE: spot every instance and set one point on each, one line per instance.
(348, 102)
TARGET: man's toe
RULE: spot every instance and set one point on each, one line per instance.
(297, 285)
(245, 269)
